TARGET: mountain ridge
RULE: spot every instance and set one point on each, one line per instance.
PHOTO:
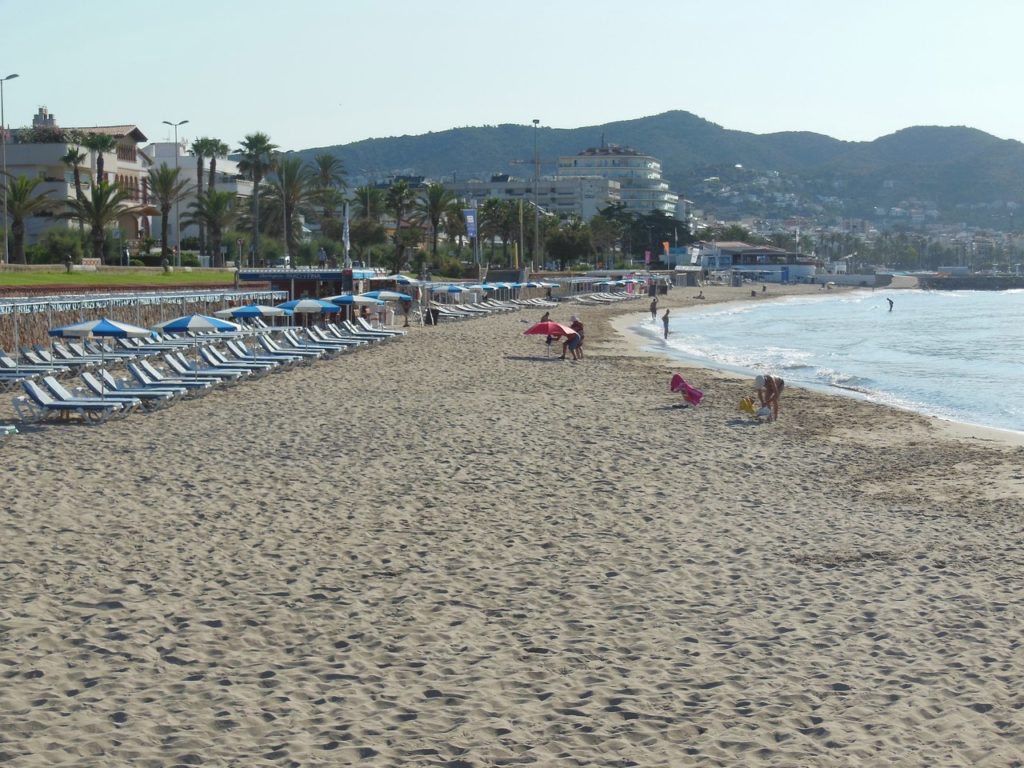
(957, 173)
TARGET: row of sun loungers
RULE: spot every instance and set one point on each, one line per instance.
(187, 370)
(605, 298)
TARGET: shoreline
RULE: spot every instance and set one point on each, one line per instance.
(624, 325)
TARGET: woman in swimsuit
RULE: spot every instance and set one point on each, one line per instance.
(769, 388)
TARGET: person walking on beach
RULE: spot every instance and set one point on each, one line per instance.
(890, 304)
(664, 319)
(654, 309)
(769, 389)
(574, 343)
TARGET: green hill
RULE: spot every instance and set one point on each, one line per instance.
(957, 173)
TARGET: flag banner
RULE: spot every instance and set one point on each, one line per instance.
(647, 257)
(470, 215)
(344, 234)
(664, 246)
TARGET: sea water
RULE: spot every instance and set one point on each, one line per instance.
(956, 355)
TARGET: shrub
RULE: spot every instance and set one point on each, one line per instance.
(54, 246)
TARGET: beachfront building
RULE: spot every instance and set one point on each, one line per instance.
(753, 262)
(227, 179)
(38, 152)
(638, 176)
(581, 196)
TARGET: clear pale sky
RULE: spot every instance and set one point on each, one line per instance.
(313, 73)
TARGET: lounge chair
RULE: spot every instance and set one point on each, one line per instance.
(273, 348)
(216, 359)
(329, 349)
(104, 350)
(151, 397)
(63, 395)
(185, 368)
(7, 363)
(244, 354)
(361, 323)
(148, 375)
(348, 331)
(125, 385)
(318, 335)
(36, 405)
(65, 356)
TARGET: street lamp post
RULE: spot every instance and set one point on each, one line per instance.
(536, 199)
(3, 142)
(177, 209)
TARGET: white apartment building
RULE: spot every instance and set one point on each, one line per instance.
(31, 153)
(228, 179)
(641, 187)
(581, 196)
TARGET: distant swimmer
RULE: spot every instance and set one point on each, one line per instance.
(890, 304)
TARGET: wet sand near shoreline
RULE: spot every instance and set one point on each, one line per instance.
(456, 551)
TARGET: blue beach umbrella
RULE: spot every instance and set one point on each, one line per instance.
(449, 289)
(351, 298)
(309, 306)
(250, 311)
(404, 280)
(197, 324)
(388, 295)
(104, 327)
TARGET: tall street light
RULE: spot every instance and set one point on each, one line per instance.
(536, 199)
(177, 209)
(3, 141)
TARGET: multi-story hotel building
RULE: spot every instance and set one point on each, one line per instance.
(581, 197)
(641, 187)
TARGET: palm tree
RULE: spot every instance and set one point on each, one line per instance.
(256, 159)
(399, 200)
(291, 189)
(201, 148)
(455, 224)
(74, 158)
(499, 218)
(99, 143)
(22, 204)
(167, 189)
(214, 150)
(431, 206)
(101, 209)
(369, 202)
(328, 178)
(216, 211)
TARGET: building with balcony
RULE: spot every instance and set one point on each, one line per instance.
(227, 179)
(38, 152)
(641, 187)
(581, 196)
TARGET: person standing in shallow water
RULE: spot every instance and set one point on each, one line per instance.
(664, 320)
(890, 304)
(654, 309)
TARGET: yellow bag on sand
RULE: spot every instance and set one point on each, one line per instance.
(747, 406)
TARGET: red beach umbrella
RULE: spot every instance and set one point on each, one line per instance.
(549, 329)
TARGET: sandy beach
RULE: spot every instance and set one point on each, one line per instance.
(456, 551)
